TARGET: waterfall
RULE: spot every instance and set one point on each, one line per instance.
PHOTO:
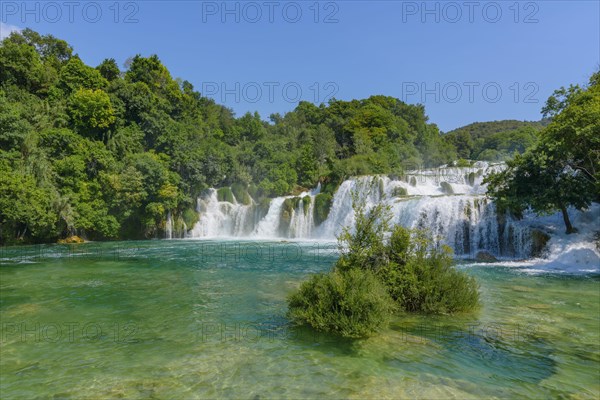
(268, 227)
(222, 218)
(169, 226)
(302, 220)
(449, 202)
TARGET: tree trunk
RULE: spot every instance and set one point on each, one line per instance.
(565, 214)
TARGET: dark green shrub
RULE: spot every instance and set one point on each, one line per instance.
(330, 187)
(225, 194)
(375, 275)
(322, 207)
(241, 194)
(417, 272)
(463, 163)
(421, 278)
(352, 304)
(306, 203)
(190, 217)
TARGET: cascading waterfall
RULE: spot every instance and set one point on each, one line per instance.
(222, 218)
(268, 227)
(301, 216)
(169, 226)
(302, 220)
(449, 202)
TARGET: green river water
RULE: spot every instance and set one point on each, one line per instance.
(190, 319)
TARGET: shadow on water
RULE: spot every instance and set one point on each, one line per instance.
(505, 354)
(455, 351)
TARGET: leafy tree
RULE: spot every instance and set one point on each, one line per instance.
(25, 209)
(21, 65)
(156, 76)
(51, 49)
(91, 111)
(76, 75)
(109, 69)
(563, 169)
(13, 127)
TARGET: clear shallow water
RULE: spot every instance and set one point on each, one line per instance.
(189, 319)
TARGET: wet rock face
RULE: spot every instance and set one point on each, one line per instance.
(539, 240)
(400, 192)
(446, 188)
(484, 256)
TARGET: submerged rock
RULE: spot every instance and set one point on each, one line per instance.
(446, 188)
(538, 242)
(400, 192)
(71, 240)
(484, 256)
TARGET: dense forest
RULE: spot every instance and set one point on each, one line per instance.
(495, 140)
(106, 154)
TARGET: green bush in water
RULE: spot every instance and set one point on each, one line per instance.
(225, 194)
(415, 269)
(322, 207)
(352, 303)
(420, 276)
(407, 266)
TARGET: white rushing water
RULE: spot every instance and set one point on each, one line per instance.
(169, 226)
(576, 253)
(450, 202)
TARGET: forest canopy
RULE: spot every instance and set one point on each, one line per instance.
(107, 153)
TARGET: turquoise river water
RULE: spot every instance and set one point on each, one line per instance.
(189, 319)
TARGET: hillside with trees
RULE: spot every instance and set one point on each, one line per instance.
(494, 140)
(107, 154)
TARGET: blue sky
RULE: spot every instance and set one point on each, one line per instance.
(466, 62)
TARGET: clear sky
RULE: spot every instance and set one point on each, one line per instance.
(466, 61)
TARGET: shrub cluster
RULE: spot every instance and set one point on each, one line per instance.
(353, 303)
(382, 270)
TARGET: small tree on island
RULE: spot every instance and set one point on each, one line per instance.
(379, 272)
